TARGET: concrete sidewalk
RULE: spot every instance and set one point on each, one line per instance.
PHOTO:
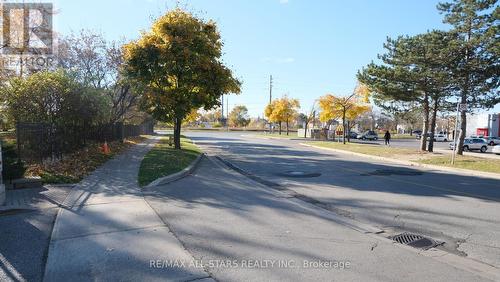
(244, 231)
(108, 232)
(48, 196)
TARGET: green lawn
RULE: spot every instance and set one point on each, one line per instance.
(164, 160)
(466, 162)
(375, 150)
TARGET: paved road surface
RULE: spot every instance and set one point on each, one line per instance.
(244, 231)
(25, 227)
(461, 210)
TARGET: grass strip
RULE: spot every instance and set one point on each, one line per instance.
(164, 160)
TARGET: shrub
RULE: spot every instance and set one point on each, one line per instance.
(12, 167)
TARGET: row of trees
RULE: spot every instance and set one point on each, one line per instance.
(84, 87)
(281, 110)
(431, 71)
(168, 73)
(56, 98)
(238, 117)
(331, 108)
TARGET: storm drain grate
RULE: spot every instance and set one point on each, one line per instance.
(415, 240)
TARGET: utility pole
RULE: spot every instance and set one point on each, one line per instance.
(271, 127)
(222, 110)
(270, 88)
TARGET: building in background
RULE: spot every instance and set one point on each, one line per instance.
(483, 124)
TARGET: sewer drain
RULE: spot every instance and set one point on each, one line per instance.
(393, 172)
(292, 173)
(415, 240)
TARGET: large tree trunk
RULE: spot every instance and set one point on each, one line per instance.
(280, 127)
(463, 130)
(433, 125)
(177, 133)
(423, 138)
(287, 122)
(348, 131)
(463, 121)
(465, 93)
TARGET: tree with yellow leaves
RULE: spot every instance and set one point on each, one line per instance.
(282, 110)
(347, 108)
(177, 65)
(193, 116)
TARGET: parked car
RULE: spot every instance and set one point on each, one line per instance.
(471, 144)
(368, 135)
(492, 140)
(440, 137)
(353, 135)
(419, 136)
(496, 149)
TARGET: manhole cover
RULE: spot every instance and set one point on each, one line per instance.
(393, 172)
(295, 173)
(415, 240)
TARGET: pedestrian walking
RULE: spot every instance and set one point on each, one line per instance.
(387, 138)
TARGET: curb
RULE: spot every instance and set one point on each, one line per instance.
(176, 176)
(461, 171)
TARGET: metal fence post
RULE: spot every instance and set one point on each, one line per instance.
(121, 133)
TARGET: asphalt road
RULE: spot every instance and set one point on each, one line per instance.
(25, 229)
(240, 230)
(458, 209)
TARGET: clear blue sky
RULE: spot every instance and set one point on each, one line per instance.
(310, 47)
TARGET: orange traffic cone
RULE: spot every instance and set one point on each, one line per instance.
(105, 148)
